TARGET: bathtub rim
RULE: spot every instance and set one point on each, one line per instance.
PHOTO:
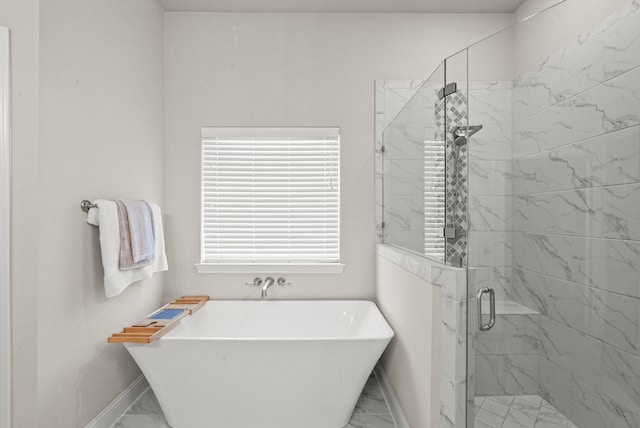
(386, 332)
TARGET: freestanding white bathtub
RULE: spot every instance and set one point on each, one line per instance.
(265, 364)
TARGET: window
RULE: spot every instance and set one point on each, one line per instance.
(434, 198)
(270, 200)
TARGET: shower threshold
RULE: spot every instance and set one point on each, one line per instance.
(518, 411)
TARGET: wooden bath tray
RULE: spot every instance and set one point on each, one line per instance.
(160, 322)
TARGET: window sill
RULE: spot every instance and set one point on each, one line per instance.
(269, 268)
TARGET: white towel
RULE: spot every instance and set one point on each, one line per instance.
(116, 280)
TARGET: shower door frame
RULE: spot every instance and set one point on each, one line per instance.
(5, 232)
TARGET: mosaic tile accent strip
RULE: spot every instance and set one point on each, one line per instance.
(450, 112)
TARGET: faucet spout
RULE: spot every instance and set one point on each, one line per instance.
(268, 282)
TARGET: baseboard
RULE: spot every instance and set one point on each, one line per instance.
(107, 417)
(390, 397)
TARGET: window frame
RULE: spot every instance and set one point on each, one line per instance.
(257, 266)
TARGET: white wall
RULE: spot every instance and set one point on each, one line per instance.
(412, 307)
(22, 19)
(87, 88)
(291, 70)
(101, 95)
(87, 116)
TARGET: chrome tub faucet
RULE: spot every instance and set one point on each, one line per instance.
(268, 282)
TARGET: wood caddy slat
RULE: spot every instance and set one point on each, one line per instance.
(150, 328)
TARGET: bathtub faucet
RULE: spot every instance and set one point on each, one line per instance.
(268, 282)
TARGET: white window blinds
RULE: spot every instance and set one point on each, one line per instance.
(270, 195)
(434, 198)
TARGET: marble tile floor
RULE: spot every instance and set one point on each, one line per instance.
(518, 411)
(371, 411)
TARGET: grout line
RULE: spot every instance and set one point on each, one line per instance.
(536, 417)
(577, 142)
(571, 282)
(573, 97)
(573, 189)
(566, 235)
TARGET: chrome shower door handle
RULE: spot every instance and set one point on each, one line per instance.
(492, 308)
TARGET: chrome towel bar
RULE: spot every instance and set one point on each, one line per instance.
(86, 205)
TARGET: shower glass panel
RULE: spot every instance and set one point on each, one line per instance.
(424, 185)
(413, 179)
(491, 80)
(554, 233)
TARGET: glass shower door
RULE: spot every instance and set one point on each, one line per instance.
(500, 331)
(554, 194)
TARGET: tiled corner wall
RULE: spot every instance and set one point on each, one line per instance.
(570, 212)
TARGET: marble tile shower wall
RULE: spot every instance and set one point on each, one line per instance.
(575, 223)
(490, 104)
(505, 357)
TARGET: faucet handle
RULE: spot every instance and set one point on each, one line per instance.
(257, 282)
(283, 282)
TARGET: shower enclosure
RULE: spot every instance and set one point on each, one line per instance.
(519, 161)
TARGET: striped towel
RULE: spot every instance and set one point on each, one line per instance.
(117, 280)
(137, 236)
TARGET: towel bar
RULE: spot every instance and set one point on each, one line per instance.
(86, 205)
